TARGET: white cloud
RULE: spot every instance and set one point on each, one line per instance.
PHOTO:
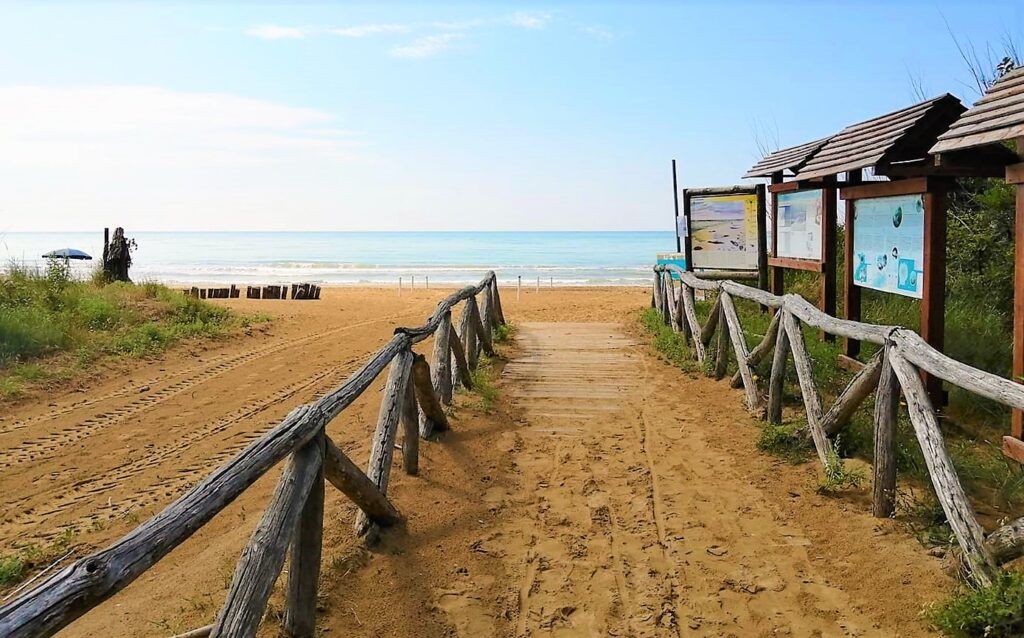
(276, 32)
(529, 20)
(426, 46)
(363, 30)
(597, 31)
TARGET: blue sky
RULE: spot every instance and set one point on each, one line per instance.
(334, 116)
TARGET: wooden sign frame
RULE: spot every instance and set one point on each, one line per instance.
(934, 191)
(826, 266)
(761, 243)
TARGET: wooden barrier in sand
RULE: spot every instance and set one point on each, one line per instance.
(299, 291)
(897, 366)
(292, 524)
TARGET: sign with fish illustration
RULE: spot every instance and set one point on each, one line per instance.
(724, 231)
(799, 225)
(888, 244)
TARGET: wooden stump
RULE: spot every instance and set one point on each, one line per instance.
(304, 560)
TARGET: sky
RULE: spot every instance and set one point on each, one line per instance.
(458, 116)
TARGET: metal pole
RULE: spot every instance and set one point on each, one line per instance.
(675, 197)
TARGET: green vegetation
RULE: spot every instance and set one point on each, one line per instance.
(988, 612)
(12, 570)
(671, 345)
(838, 475)
(483, 383)
(15, 568)
(503, 333)
(53, 325)
(784, 442)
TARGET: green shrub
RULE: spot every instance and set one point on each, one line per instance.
(12, 570)
(782, 441)
(988, 612)
(504, 332)
(670, 344)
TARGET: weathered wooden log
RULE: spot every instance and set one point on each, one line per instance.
(681, 320)
(739, 343)
(426, 330)
(441, 373)
(410, 419)
(201, 632)
(722, 347)
(689, 309)
(753, 294)
(499, 311)
(1007, 542)
(467, 332)
(383, 447)
(304, 560)
(692, 280)
(485, 312)
(461, 365)
(809, 314)
(917, 351)
(655, 292)
(812, 400)
(760, 350)
(663, 304)
(345, 475)
(776, 382)
(858, 389)
(483, 333)
(673, 303)
(887, 405)
(709, 327)
(432, 416)
(262, 558)
(947, 485)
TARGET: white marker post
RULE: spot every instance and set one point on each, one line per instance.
(399, 286)
(412, 281)
(551, 283)
(519, 286)
(426, 282)
(538, 283)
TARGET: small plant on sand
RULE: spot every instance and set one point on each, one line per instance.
(504, 333)
(988, 612)
(782, 441)
(483, 384)
(671, 345)
(837, 475)
(12, 570)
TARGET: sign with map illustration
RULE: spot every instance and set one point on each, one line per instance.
(723, 231)
(799, 225)
(888, 244)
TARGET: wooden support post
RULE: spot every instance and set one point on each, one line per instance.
(947, 485)
(933, 300)
(441, 374)
(778, 377)
(383, 447)
(759, 352)
(887, 405)
(664, 302)
(410, 431)
(762, 239)
(853, 394)
(829, 202)
(778, 274)
(709, 328)
(684, 324)
(432, 416)
(812, 400)
(739, 344)
(519, 286)
(262, 558)
(461, 365)
(722, 347)
(467, 331)
(499, 312)
(672, 303)
(482, 330)
(342, 473)
(1017, 424)
(690, 313)
(851, 291)
(304, 560)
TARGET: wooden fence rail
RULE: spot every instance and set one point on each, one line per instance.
(895, 368)
(292, 524)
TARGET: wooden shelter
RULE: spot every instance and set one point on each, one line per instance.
(982, 138)
(777, 166)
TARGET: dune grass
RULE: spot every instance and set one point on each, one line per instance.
(53, 326)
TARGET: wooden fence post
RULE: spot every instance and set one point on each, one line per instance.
(499, 311)
(441, 373)
(410, 429)
(739, 344)
(812, 400)
(887, 403)
(432, 416)
(304, 559)
(778, 377)
(467, 332)
(690, 311)
(461, 365)
(722, 346)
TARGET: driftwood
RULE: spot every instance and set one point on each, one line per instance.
(343, 474)
(812, 400)
(760, 350)
(441, 374)
(383, 447)
(410, 419)
(722, 346)
(461, 365)
(860, 386)
(689, 308)
(739, 343)
(304, 559)
(778, 376)
(887, 405)
(432, 416)
(262, 558)
(947, 486)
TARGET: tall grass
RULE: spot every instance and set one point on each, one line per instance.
(47, 312)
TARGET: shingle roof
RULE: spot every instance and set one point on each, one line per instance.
(996, 116)
(786, 159)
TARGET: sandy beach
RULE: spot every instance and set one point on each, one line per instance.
(508, 529)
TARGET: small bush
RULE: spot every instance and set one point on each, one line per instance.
(837, 475)
(988, 612)
(782, 441)
(670, 344)
(12, 570)
(483, 384)
(504, 332)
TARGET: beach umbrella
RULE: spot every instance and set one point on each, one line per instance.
(67, 253)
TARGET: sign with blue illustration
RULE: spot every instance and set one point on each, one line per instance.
(676, 259)
(888, 244)
(799, 225)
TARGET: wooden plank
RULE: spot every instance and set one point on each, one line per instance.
(739, 343)
(794, 186)
(760, 350)
(383, 447)
(262, 558)
(947, 485)
(793, 263)
(1013, 448)
(1015, 174)
(709, 327)
(740, 189)
(304, 560)
(887, 398)
(810, 315)
(343, 474)
(849, 363)
(812, 400)
(912, 186)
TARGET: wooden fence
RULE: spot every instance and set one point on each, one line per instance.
(903, 354)
(292, 524)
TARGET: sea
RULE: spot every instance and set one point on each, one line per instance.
(365, 258)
